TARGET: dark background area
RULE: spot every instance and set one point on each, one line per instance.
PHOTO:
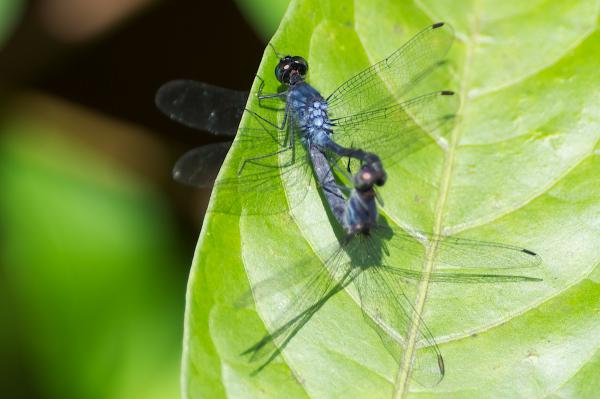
(210, 41)
(118, 71)
(96, 240)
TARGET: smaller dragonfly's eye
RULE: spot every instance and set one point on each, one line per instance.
(381, 179)
(363, 180)
(366, 175)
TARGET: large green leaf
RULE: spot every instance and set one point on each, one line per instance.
(264, 15)
(522, 166)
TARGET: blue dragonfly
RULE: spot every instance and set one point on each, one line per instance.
(362, 255)
(371, 112)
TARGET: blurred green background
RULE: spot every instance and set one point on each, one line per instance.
(96, 240)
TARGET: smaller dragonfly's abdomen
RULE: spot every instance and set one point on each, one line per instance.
(360, 214)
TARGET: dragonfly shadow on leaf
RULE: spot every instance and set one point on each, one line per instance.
(385, 284)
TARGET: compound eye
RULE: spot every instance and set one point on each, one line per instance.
(300, 65)
(366, 176)
(280, 72)
(283, 69)
(362, 180)
(381, 180)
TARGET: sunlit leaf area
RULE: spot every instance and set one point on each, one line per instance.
(116, 282)
(520, 166)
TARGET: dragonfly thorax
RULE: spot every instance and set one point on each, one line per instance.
(310, 111)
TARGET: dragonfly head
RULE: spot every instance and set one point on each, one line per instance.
(291, 69)
(371, 173)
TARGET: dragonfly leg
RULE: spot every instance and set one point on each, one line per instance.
(348, 176)
(254, 159)
(263, 119)
(262, 96)
(268, 131)
(348, 167)
(330, 190)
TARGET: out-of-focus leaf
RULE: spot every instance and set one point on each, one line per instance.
(10, 10)
(521, 166)
(88, 263)
(264, 15)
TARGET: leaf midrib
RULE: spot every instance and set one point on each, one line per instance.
(402, 378)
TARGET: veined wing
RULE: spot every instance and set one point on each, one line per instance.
(254, 183)
(382, 289)
(385, 82)
(460, 260)
(402, 128)
(199, 166)
(202, 106)
(389, 312)
(387, 291)
(314, 292)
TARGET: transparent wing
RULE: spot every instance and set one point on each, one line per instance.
(199, 166)
(402, 128)
(202, 106)
(385, 82)
(387, 291)
(309, 295)
(459, 260)
(390, 312)
(263, 176)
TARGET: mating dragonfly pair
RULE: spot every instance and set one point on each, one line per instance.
(367, 119)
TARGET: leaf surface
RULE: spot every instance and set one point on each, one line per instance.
(521, 166)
